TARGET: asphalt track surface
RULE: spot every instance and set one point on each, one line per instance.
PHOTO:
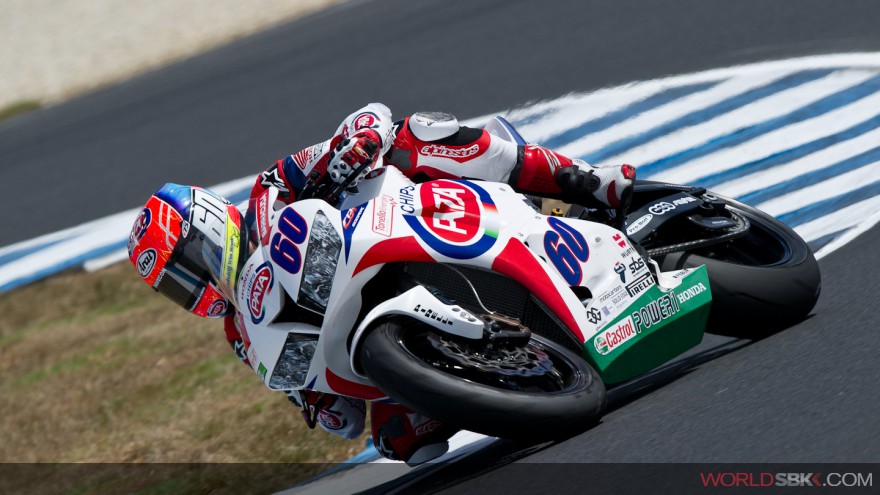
(233, 111)
(808, 394)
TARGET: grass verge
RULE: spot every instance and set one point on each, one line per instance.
(100, 369)
(18, 108)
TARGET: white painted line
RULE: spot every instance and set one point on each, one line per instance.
(837, 152)
(778, 140)
(754, 113)
(846, 238)
(823, 190)
(661, 115)
(848, 217)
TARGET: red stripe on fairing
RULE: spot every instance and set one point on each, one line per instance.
(397, 249)
(352, 389)
(519, 263)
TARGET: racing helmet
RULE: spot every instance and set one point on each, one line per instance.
(186, 244)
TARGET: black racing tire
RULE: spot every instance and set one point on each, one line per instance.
(387, 356)
(761, 283)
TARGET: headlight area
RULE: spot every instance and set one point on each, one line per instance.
(293, 365)
(322, 256)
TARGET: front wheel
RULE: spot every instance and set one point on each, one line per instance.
(538, 391)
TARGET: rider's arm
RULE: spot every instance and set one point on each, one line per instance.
(422, 153)
(289, 174)
(233, 336)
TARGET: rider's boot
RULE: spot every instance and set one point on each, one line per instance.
(544, 172)
(401, 434)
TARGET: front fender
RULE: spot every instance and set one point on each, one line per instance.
(419, 304)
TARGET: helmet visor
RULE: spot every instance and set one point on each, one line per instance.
(185, 276)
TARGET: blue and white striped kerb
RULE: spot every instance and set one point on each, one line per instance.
(797, 138)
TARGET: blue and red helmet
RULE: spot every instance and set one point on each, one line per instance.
(187, 245)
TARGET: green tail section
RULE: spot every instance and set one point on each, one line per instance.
(657, 327)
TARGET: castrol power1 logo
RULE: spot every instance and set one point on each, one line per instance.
(455, 218)
(614, 337)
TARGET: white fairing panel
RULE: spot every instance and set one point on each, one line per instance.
(390, 219)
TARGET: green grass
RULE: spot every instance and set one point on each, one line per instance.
(18, 108)
(100, 369)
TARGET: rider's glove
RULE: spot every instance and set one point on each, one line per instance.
(349, 154)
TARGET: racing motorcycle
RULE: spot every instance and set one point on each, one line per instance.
(462, 301)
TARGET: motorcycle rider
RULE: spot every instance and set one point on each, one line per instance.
(424, 146)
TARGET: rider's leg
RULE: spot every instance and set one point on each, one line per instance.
(404, 435)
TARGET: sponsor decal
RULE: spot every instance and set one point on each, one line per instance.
(261, 370)
(457, 218)
(239, 348)
(365, 121)
(350, 220)
(451, 212)
(427, 427)
(626, 253)
(230, 254)
(655, 311)
(594, 316)
(614, 297)
(407, 201)
(447, 152)
(621, 271)
(263, 228)
(612, 338)
(619, 240)
(383, 215)
(636, 265)
(140, 227)
(271, 177)
(638, 285)
(661, 208)
(184, 228)
(684, 200)
(146, 262)
(260, 285)
(252, 356)
(217, 308)
(432, 314)
(639, 223)
(331, 420)
(685, 295)
(549, 156)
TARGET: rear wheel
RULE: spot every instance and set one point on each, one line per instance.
(761, 282)
(537, 391)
